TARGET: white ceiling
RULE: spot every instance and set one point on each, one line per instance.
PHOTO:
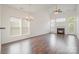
(43, 7)
(32, 7)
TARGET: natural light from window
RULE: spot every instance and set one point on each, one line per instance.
(19, 26)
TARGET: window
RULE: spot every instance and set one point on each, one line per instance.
(25, 26)
(71, 24)
(15, 25)
(60, 20)
(53, 23)
(19, 26)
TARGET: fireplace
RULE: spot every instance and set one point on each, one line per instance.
(60, 31)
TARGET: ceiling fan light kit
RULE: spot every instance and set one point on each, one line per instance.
(57, 11)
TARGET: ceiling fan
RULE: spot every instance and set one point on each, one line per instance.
(29, 17)
(57, 10)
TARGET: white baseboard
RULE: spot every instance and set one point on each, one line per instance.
(20, 38)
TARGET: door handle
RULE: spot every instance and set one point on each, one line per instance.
(2, 27)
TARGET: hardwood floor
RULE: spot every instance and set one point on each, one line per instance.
(44, 44)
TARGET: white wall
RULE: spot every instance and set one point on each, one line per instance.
(0, 29)
(77, 27)
(39, 25)
(77, 21)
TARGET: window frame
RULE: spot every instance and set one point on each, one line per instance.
(20, 34)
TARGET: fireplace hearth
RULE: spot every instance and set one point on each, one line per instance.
(60, 31)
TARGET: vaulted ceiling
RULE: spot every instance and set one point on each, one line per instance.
(43, 7)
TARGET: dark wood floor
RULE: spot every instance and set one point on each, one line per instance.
(44, 44)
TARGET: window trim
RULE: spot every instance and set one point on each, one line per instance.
(21, 33)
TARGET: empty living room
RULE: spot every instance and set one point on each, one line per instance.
(39, 28)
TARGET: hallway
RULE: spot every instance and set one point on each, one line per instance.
(43, 44)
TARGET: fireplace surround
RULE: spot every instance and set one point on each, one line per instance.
(60, 31)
